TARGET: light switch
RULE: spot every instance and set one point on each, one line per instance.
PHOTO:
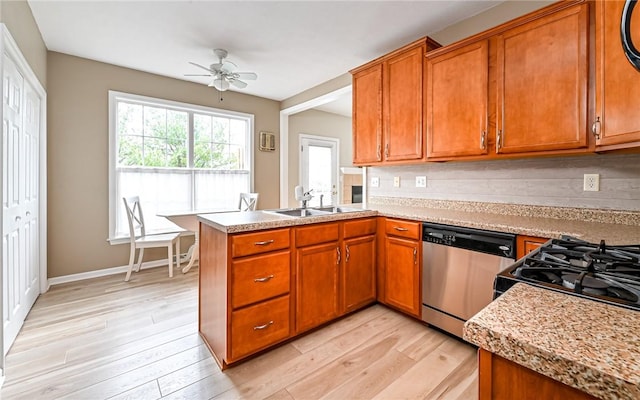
(396, 181)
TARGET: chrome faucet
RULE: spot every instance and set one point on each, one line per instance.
(302, 196)
(321, 197)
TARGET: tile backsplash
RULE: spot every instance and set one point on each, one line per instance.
(554, 182)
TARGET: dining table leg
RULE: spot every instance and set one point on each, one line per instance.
(192, 254)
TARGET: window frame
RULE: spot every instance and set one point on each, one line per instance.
(115, 96)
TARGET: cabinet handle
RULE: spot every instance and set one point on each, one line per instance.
(347, 255)
(264, 243)
(265, 279)
(499, 140)
(261, 327)
(400, 229)
(379, 152)
(386, 150)
(483, 138)
(339, 255)
(415, 256)
(595, 128)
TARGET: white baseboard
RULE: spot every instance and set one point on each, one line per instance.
(107, 271)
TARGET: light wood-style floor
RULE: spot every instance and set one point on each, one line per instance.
(105, 338)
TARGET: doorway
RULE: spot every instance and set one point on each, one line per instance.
(319, 168)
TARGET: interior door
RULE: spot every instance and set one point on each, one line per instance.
(319, 168)
(20, 200)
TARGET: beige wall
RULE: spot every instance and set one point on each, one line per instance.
(78, 154)
(319, 123)
(495, 16)
(17, 16)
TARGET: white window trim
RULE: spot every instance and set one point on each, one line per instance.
(114, 96)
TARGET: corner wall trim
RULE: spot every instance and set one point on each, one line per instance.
(107, 271)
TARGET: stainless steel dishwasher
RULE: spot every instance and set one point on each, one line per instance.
(459, 267)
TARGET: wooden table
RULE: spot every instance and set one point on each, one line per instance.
(189, 220)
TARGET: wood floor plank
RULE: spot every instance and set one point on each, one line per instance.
(427, 373)
(106, 338)
(146, 391)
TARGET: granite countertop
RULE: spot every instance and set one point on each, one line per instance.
(591, 346)
(615, 227)
(247, 221)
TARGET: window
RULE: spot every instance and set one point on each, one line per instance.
(176, 157)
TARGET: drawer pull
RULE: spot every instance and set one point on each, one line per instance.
(265, 279)
(399, 229)
(263, 243)
(261, 327)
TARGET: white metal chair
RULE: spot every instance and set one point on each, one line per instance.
(248, 201)
(140, 240)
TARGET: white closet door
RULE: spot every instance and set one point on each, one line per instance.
(21, 113)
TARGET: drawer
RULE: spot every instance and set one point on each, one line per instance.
(401, 228)
(259, 278)
(247, 244)
(259, 326)
(359, 227)
(317, 233)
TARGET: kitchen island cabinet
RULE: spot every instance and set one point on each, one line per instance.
(615, 125)
(539, 343)
(400, 265)
(244, 283)
(259, 288)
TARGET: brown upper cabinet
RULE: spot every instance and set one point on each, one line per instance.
(387, 107)
(456, 101)
(616, 124)
(542, 83)
(518, 89)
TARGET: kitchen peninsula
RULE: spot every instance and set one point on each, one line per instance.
(224, 254)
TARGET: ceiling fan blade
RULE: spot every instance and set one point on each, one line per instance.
(228, 66)
(201, 66)
(238, 84)
(251, 76)
(197, 74)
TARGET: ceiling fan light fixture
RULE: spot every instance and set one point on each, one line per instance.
(221, 84)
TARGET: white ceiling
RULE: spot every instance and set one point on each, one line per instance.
(291, 45)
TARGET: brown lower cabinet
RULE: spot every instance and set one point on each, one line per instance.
(260, 288)
(400, 265)
(501, 379)
(527, 244)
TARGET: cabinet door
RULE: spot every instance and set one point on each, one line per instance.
(358, 272)
(317, 285)
(403, 135)
(617, 81)
(527, 244)
(367, 115)
(542, 69)
(402, 274)
(456, 102)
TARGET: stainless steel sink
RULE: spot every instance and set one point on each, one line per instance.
(311, 212)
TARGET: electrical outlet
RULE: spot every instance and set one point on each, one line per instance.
(421, 181)
(375, 181)
(591, 182)
(396, 181)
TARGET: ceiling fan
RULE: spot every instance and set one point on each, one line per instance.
(224, 73)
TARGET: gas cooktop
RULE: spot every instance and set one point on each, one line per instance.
(597, 271)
